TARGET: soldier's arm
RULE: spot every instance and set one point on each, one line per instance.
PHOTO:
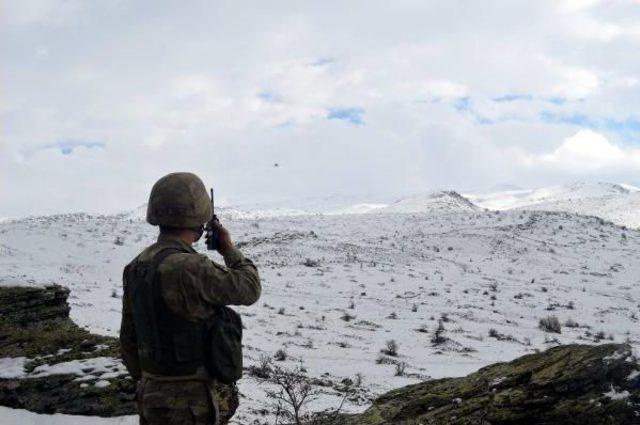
(128, 340)
(193, 285)
(240, 278)
(236, 284)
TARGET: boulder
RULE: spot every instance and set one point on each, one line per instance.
(572, 384)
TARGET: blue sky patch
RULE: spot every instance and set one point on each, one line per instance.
(66, 148)
(351, 115)
(462, 104)
(556, 100)
(323, 61)
(630, 124)
(571, 119)
(628, 129)
(512, 97)
(269, 96)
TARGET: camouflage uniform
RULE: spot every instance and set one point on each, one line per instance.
(191, 286)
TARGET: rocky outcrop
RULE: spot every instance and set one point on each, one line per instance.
(32, 305)
(35, 325)
(65, 394)
(573, 384)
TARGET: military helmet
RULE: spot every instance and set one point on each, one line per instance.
(179, 200)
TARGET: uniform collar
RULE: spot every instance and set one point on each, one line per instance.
(167, 239)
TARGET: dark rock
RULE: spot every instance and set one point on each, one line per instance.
(32, 305)
(63, 394)
(34, 323)
(573, 384)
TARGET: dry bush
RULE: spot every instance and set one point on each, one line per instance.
(391, 348)
(550, 324)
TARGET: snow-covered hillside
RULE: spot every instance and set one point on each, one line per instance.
(510, 199)
(619, 203)
(337, 288)
(431, 203)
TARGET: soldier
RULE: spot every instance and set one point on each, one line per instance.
(172, 295)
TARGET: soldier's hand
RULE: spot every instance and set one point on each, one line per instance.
(225, 244)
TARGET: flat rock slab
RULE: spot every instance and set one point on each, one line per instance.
(31, 305)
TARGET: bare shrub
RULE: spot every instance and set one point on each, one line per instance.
(570, 323)
(599, 336)
(391, 348)
(311, 263)
(438, 336)
(292, 394)
(550, 324)
(281, 355)
(400, 368)
(347, 317)
(263, 369)
(423, 329)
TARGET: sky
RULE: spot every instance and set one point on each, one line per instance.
(371, 99)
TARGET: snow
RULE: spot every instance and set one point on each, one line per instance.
(103, 366)
(616, 356)
(12, 367)
(511, 199)
(10, 416)
(475, 270)
(437, 202)
(497, 381)
(358, 209)
(618, 203)
(633, 375)
(102, 384)
(617, 395)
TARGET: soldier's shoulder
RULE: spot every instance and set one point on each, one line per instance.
(183, 260)
(140, 256)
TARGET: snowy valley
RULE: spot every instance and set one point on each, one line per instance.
(456, 282)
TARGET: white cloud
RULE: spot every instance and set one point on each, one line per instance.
(574, 82)
(226, 91)
(576, 5)
(588, 150)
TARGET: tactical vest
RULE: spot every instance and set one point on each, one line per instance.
(170, 345)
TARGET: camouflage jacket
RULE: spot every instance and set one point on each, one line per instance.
(191, 286)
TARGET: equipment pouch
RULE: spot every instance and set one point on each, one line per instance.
(223, 348)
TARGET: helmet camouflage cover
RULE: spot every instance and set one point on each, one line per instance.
(179, 200)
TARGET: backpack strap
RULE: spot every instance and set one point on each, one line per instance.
(154, 294)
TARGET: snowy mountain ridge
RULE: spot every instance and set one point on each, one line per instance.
(435, 203)
(618, 203)
(510, 199)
